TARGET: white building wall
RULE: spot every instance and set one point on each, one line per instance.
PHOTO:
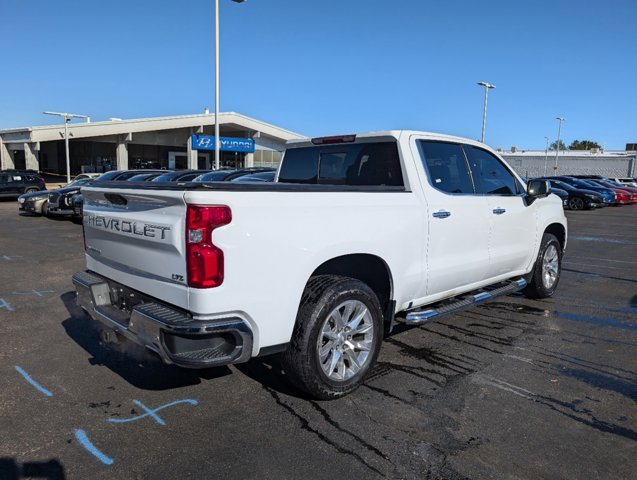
(607, 165)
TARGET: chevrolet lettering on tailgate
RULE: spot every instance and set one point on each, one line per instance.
(126, 226)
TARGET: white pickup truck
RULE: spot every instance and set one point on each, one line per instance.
(357, 232)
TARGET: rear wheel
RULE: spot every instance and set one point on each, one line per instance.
(547, 269)
(336, 339)
(576, 203)
(30, 190)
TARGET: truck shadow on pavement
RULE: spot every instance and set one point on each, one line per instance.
(11, 470)
(137, 366)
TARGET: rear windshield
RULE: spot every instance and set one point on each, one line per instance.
(343, 164)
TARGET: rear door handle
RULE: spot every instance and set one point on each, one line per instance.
(499, 211)
(441, 214)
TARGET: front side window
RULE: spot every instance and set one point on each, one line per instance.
(446, 166)
(490, 176)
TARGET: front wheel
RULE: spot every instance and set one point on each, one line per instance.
(336, 339)
(547, 269)
(44, 209)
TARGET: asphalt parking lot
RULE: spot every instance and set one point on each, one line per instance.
(514, 389)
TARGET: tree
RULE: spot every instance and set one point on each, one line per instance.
(554, 146)
(583, 145)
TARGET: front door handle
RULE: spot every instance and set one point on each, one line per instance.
(441, 214)
(499, 211)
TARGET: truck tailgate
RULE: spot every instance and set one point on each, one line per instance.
(136, 237)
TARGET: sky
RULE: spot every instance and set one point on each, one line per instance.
(325, 67)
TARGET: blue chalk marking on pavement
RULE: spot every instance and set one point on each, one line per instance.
(92, 449)
(38, 293)
(28, 378)
(5, 304)
(151, 412)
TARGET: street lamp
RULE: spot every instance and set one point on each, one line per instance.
(217, 143)
(67, 118)
(486, 86)
(557, 145)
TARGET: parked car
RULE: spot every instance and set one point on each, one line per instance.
(248, 171)
(126, 174)
(143, 177)
(91, 176)
(579, 198)
(256, 177)
(14, 183)
(77, 202)
(607, 193)
(215, 176)
(612, 184)
(34, 202)
(180, 175)
(623, 196)
(60, 200)
(631, 182)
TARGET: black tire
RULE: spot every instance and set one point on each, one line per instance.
(30, 190)
(326, 297)
(44, 210)
(576, 203)
(546, 272)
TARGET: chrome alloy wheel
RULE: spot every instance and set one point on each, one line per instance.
(550, 267)
(345, 340)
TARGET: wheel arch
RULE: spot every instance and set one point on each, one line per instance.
(559, 231)
(369, 269)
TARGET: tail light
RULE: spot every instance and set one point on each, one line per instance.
(334, 139)
(204, 261)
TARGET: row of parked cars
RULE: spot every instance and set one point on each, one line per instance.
(584, 192)
(67, 201)
(578, 192)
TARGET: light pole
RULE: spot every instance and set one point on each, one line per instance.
(67, 118)
(546, 155)
(557, 145)
(217, 143)
(486, 86)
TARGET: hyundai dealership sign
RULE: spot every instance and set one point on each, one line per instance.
(226, 144)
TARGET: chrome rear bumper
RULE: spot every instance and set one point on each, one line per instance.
(173, 334)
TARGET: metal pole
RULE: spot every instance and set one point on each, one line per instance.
(546, 155)
(557, 145)
(486, 86)
(484, 113)
(66, 146)
(216, 84)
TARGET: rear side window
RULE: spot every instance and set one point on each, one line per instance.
(363, 164)
(446, 166)
(490, 176)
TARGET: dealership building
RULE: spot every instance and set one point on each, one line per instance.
(160, 142)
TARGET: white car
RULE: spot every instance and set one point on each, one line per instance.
(87, 175)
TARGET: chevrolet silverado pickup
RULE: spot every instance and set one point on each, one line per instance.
(357, 232)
